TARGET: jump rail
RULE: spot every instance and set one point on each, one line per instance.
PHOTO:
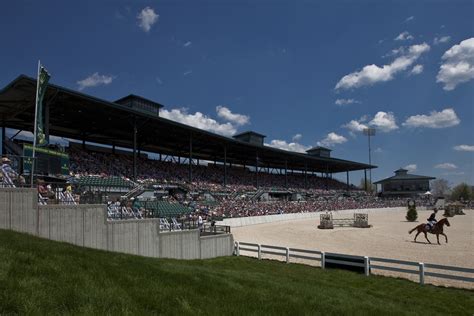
(418, 268)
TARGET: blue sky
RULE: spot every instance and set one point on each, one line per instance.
(301, 72)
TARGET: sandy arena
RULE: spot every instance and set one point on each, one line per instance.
(387, 238)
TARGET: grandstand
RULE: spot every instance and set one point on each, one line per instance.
(138, 154)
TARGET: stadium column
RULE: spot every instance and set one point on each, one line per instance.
(256, 169)
(365, 180)
(135, 131)
(46, 121)
(3, 136)
(286, 172)
(327, 177)
(225, 166)
(190, 161)
(305, 175)
(347, 180)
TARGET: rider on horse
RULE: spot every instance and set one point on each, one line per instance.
(432, 219)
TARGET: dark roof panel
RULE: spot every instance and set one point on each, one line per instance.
(80, 116)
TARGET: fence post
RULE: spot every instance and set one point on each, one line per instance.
(323, 260)
(259, 251)
(237, 248)
(422, 273)
(287, 255)
(366, 266)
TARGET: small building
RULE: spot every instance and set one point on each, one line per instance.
(404, 184)
(319, 152)
(250, 137)
(141, 104)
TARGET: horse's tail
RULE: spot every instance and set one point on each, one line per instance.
(411, 231)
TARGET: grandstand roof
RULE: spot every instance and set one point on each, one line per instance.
(79, 116)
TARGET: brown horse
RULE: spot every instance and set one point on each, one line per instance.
(437, 230)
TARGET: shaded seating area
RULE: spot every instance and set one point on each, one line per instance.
(104, 183)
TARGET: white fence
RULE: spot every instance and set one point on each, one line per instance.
(367, 263)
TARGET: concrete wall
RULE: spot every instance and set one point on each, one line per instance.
(255, 220)
(87, 226)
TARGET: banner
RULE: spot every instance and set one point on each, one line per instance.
(43, 78)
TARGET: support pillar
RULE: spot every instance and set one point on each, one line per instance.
(3, 137)
(225, 166)
(365, 180)
(190, 161)
(46, 121)
(327, 178)
(256, 169)
(347, 180)
(306, 175)
(135, 132)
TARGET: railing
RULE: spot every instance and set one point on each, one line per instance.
(362, 262)
(209, 229)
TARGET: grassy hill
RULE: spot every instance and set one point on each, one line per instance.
(43, 277)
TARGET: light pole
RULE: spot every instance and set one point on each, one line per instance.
(370, 132)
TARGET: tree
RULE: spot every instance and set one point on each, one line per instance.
(370, 186)
(462, 192)
(412, 214)
(440, 187)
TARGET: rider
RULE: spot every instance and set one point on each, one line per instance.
(432, 219)
(8, 172)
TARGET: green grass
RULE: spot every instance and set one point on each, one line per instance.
(38, 276)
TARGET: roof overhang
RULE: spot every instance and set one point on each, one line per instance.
(83, 117)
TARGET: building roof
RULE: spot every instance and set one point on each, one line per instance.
(249, 133)
(402, 174)
(80, 116)
(318, 148)
(137, 97)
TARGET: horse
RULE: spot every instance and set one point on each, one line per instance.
(437, 230)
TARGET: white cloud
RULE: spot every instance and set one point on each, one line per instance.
(146, 18)
(441, 40)
(355, 126)
(332, 139)
(464, 148)
(187, 72)
(293, 146)
(346, 101)
(188, 43)
(404, 36)
(378, 150)
(199, 120)
(95, 80)
(458, 65)
(297, 137)
(410, 18)
(417, 69)
(445, 118)
(372, 74)
(158, 80)
(446, 165)
(384, 121)
(411, 167)
(226, 114)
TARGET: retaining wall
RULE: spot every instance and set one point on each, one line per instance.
(255, 220)
(87, 226)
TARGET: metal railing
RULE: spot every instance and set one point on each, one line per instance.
(365, 262)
